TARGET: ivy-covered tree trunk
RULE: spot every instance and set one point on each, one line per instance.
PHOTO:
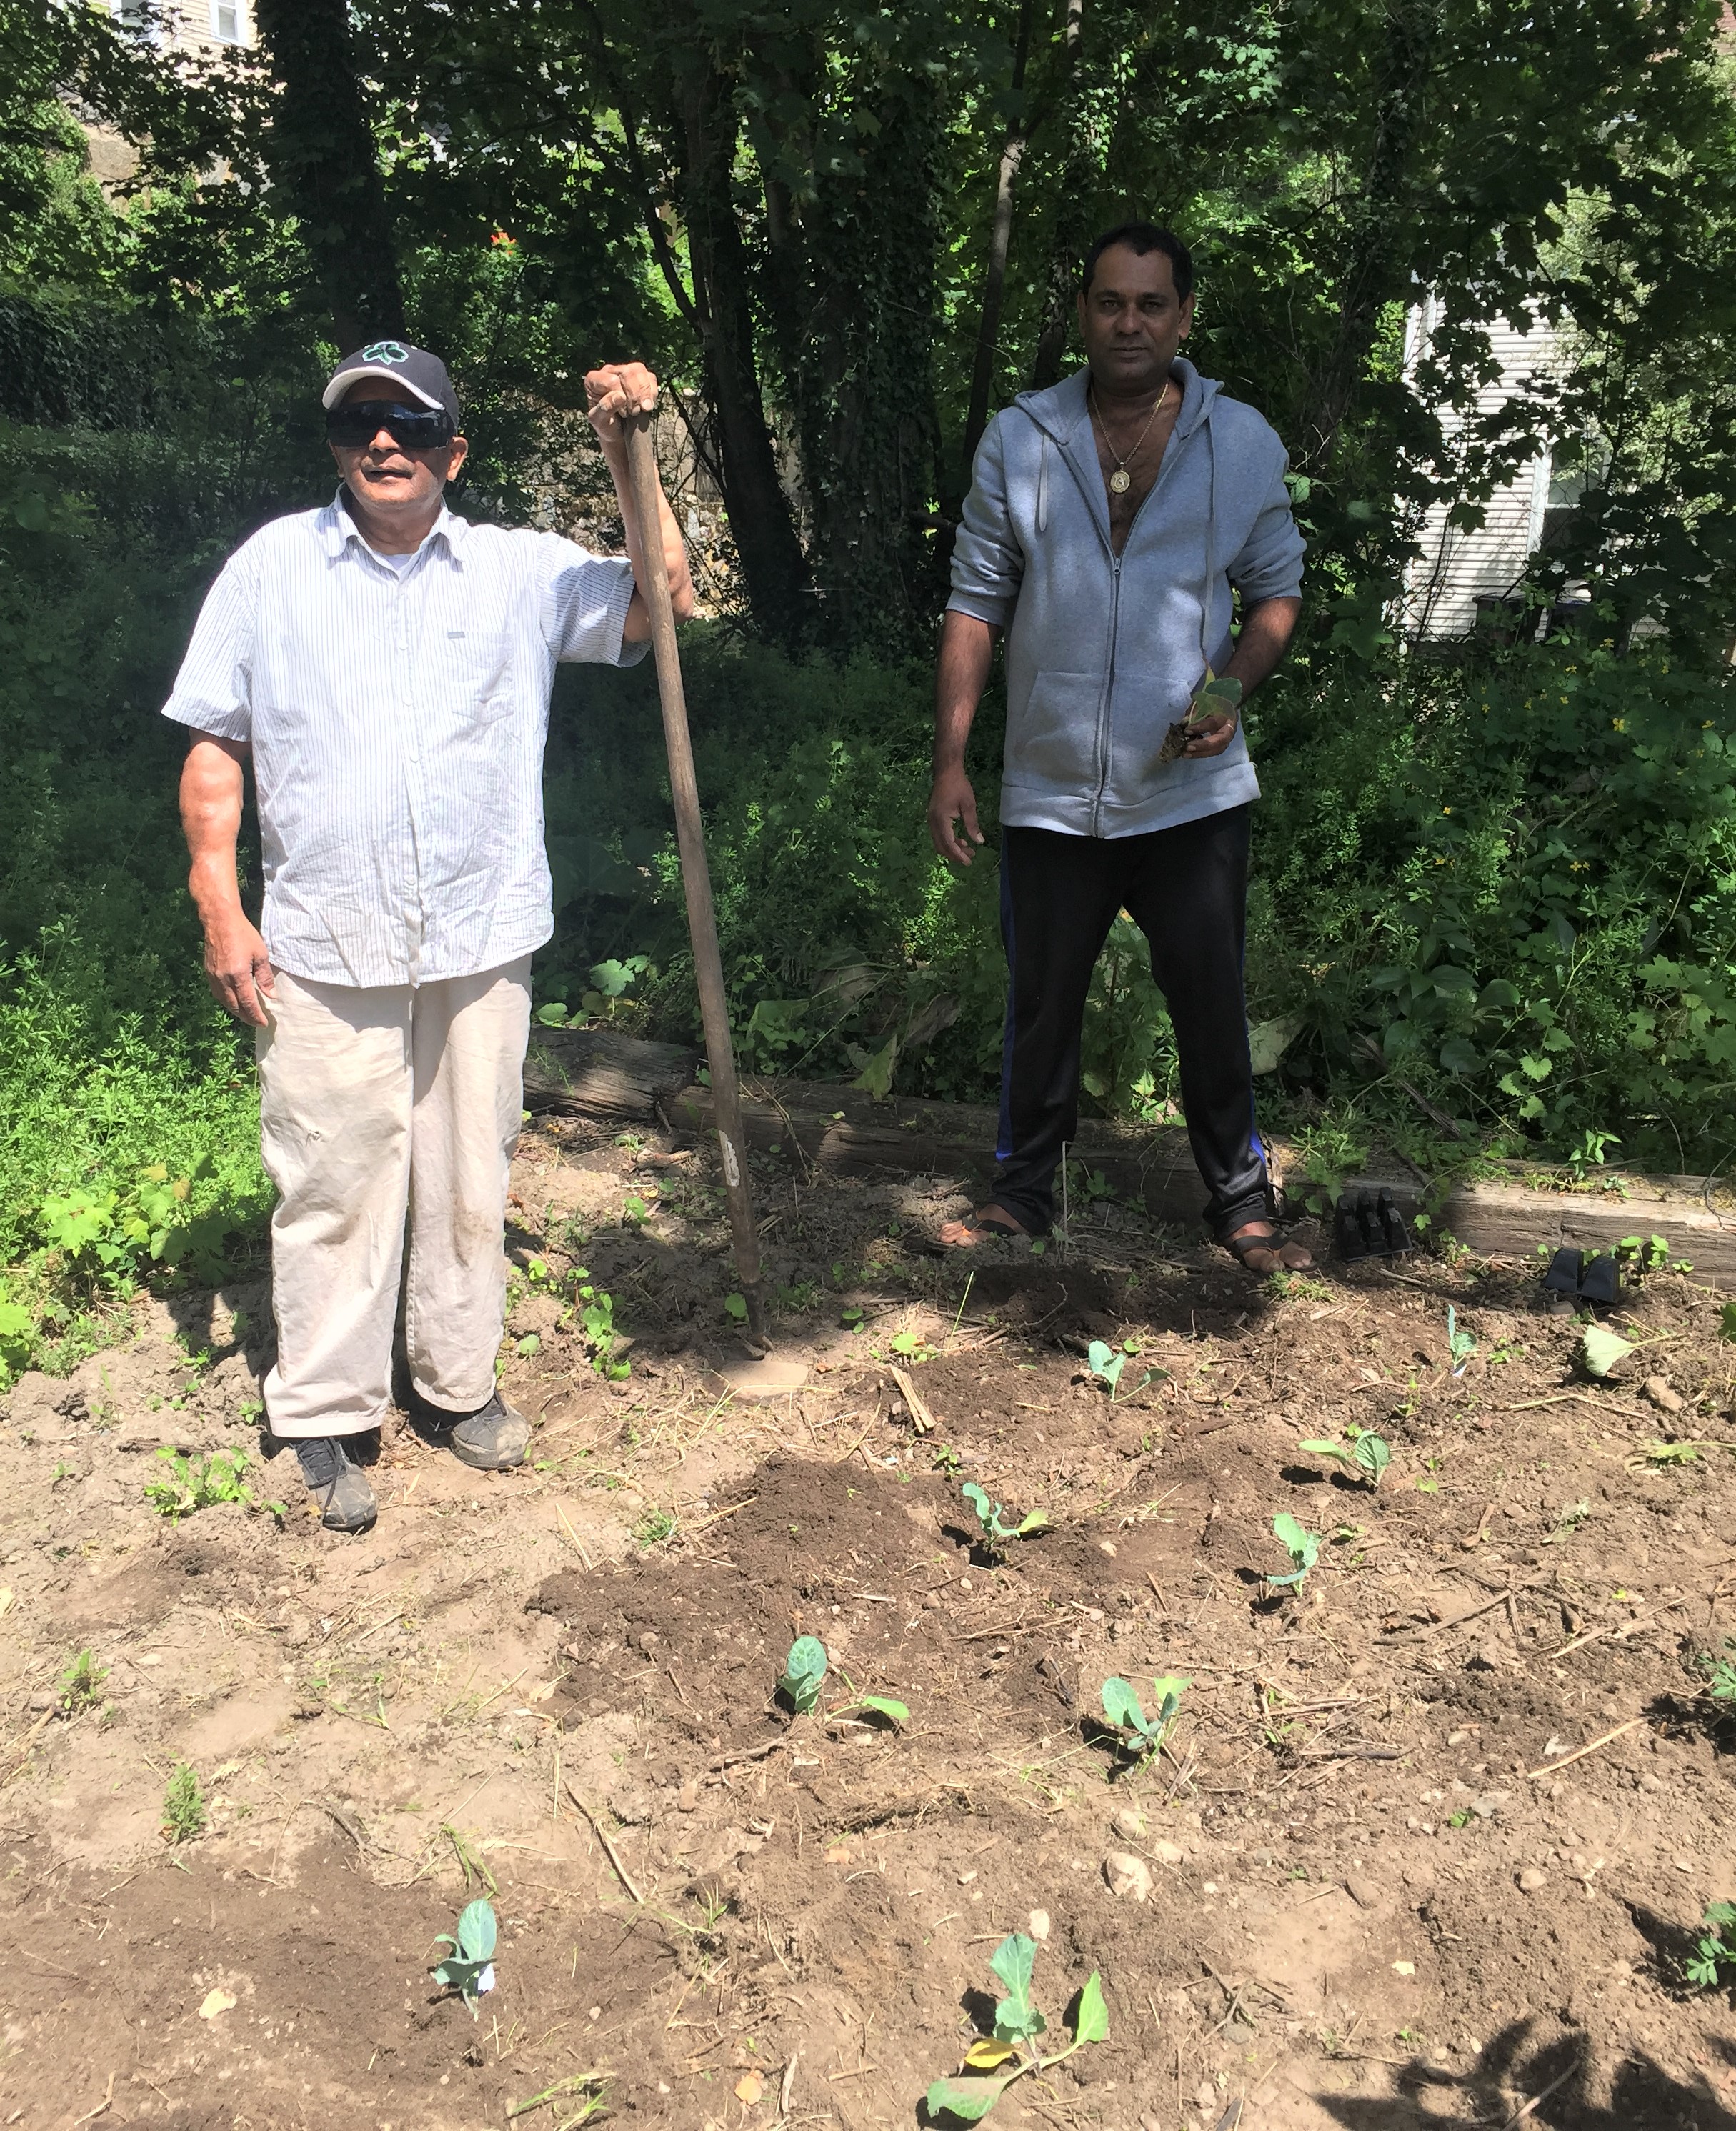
(321, 151)
(1078, 178)
(1001, 237)
(759, 514)
(867, 416)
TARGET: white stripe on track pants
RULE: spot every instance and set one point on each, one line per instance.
(376, 1102)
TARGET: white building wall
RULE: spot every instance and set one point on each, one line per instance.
(1455, 568)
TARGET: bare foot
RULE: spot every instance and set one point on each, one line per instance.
(984, 1226)
(1259, 1247)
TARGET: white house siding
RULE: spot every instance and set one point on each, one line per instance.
(1441, 587)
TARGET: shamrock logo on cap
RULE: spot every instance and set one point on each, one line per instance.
(385, 351)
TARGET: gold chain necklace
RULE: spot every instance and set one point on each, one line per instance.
(1120, 480)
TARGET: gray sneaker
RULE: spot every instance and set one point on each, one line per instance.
(346, 1500)
(491, 1440)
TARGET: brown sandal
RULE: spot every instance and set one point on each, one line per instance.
(1245, 1242)
(991, 1223)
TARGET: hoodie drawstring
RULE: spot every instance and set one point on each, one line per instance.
(1042, 486)
(1211, 521)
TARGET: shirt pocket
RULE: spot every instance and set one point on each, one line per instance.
(1051, 743)
(476, 673)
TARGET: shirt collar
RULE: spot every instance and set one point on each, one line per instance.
(335, 528)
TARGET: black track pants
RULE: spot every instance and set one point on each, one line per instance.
(1187, 889)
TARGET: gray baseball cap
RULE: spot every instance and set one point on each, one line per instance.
(409, 369)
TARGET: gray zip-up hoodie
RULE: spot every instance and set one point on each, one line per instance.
(1104, 653)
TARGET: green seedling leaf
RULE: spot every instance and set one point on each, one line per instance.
(1317, 1447)
(469, 1968)
(1091, 2022)
(886, 1707)
(803, 1670)
(1726, 1321)
(1601, 1350)
(1033, 1520)
(1461, 1345)
(1016, 2018)
(1123, 1708)
(1302, 1547)
(995, 1530)
(1105, 1364)
(1716, 1955)
(969, 2099)
(736, 1306)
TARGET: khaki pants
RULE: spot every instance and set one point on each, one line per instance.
(376, 1101)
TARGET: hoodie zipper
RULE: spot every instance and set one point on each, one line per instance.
(1115, 617)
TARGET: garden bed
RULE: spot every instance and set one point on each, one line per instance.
(1367, 1881)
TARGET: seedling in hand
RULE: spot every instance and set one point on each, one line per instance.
(1123, 1709)
(995, 1532)
(1017, 2022)
(1363, 1454)
(1715, 1960)
(1460, 1347)
(469, 1968)
(1302, 1547)
(1107, 1364)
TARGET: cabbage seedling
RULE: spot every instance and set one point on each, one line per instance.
(803, 1670)
(1017, 2022)
(1107, 1364)
(1716, 1955)
(1601, 1350)
(1123, 1709)
(995, 1533)
(1460, 1345)
(1362, 1453)
(469, 1968)
(1302, 1547)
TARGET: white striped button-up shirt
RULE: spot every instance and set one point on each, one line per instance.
(397, 724)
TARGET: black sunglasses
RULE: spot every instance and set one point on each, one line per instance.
(414, 428)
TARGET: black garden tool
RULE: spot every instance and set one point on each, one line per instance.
(1367, 1224)
(1581, 1276)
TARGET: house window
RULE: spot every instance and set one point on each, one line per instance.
(226, 21)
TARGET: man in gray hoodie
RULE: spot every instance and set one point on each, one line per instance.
(1112, 522)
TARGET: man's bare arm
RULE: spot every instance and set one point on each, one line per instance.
(620, 393)
(1266, 630)
(966, 658)
(214, 783)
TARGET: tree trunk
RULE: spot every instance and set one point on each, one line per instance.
(1000, 237)
(1078, 176)
(321, 151)
(759, 515)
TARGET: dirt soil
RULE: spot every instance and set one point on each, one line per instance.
(1371, 1880)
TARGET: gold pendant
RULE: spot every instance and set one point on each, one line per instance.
(1120, 480)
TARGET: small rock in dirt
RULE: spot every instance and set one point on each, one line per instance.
(644, 1640)
(1532, 1878)
(1037, 1924)
(1128, 1824)
(1127, 1875)
(1658, 1390)
(1259, 1856)
(38, 1702)
(686, 1798)
(1206, 2097)
(1167, 1853)
(631, 1806)
(1361, 1893)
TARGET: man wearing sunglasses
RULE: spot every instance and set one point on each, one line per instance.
(386, 666)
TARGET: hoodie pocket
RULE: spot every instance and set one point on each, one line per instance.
(1051, 743)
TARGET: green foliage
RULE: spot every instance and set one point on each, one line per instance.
(1602, 1350)
(593, 1310)
(81, 1684)
(994, 1532)
(1726, 1322)
(1461, 1347)
(1302, 1547)
(1107, 1366)
(469, 1968)
(183, 1804)
(1362, 1452)
(1013, 2041)
(1124, 1710)
(187, 1484)
(1720, 1673)
(803, 1670)
(1715, 1957)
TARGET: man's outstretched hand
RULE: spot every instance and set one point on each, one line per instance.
(952, 801)
(239, 968)
(618, 393)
